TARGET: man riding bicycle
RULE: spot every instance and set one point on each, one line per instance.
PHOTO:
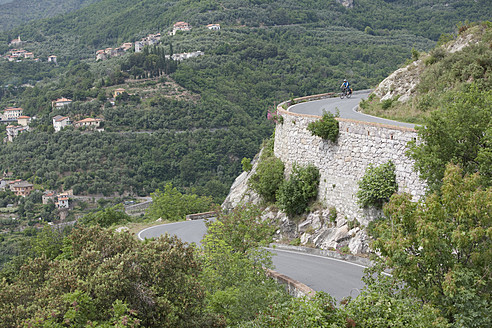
(346, 86)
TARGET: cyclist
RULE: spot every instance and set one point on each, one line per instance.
(346, 85)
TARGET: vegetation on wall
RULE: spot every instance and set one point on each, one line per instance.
(295, 194)
(377, 185)
(325, 128)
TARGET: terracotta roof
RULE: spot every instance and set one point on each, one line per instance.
(89, 119)
(21, 117)
(59, 119)
(12, 109)
(63, 99)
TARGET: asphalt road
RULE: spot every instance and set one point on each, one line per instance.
(346, 107)
(336, 277)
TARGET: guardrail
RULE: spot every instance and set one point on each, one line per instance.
(293, 287)
(198, 216)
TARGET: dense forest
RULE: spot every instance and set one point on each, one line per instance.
(16, 13)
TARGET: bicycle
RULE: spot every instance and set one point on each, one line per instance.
(346, 92)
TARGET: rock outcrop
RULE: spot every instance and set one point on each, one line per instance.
(401, 83)
(319, 229)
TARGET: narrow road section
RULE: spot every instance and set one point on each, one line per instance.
(347, 108)
(333, 276)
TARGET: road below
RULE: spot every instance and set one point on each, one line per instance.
(336, 277)
(346, 107)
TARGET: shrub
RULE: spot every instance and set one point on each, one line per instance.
(294, 195)
(332, 214)
(377, 185)
(385, 104)
(268, 178)
(326, 127)
(247, 166)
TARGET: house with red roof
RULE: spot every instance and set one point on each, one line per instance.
(11, 113)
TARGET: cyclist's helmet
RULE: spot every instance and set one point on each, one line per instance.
(345, 80)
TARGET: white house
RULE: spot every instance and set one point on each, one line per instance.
(13, 131)
(12, 113)
(89, 122)
(213, 27)
(59, 122)
(62, 201)
(52, 59)
(187, 55)
(180, 26)
(60, 102)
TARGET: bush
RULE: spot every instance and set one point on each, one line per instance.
(326, 128)
(377, 185)
(247, 166)
(268, 178)
(294, 194)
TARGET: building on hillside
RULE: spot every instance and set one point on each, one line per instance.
(16, 42)
(63, 201)
(21, 188)
(149, 40)
(48, 196)
(139, 45)
(88, 122)
(180, 26)
(18, 53)
(59, 122)
(14, 130)
(186, 55)
(213, 27)
(12, 113)
(126, 46)
(29, 55)
(118, 92)
(24, 120)
(3, 184)
(60, 102)
(100, 55)
(52, 59)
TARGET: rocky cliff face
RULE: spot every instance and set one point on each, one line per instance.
(403, 82)
(321, 229)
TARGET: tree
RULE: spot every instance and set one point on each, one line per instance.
(155, 281)
(441, 248)
(294, 194)
(171, 205)
(107, 217)
(268, 177)
(234, 262)
(458, 133)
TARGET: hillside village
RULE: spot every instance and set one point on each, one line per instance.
(16, 55)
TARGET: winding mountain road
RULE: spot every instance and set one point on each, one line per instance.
(346, 107)
(336, 277)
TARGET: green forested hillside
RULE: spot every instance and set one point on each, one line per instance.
(193, 125)
(16, 13)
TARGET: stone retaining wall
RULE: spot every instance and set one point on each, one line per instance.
(343, 163)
